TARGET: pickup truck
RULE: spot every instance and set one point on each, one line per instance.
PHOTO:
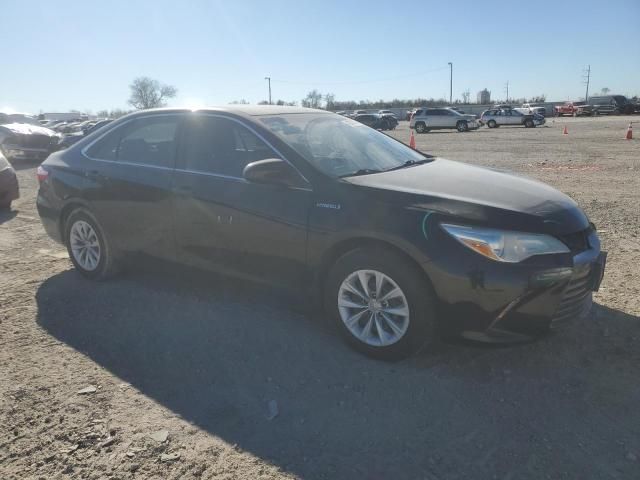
(575, 109)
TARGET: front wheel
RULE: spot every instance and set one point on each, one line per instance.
(492, 124)
(89, 249)
(462, 126)
(380, 303)
(420, 127)
(529, 123)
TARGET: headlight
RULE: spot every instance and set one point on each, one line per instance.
(505, 246)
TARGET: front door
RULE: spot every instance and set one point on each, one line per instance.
(226, 223)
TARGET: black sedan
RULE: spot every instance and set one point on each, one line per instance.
(377, 120)
(401, 246)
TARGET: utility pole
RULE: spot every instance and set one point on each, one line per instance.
(587, 78)
(268, 79)
(506, 86)
(450, 83)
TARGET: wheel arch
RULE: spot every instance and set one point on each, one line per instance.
(70, 205)
(342, 247)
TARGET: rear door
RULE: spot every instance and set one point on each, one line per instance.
(226, 223)
(129, 174)
(449, 118)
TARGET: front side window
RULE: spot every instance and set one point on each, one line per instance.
(146, 141)
(221, 146)
(339, 146)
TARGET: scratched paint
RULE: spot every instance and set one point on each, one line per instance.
(424, 225)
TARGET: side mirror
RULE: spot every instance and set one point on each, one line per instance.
(273, 171)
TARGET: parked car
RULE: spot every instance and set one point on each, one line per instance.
(398, 244)
(535, 108)
(6, 118)
(387, 112)
(9, 190)
(508, 116)
(71, 138)
(426, 119)
(575, 109)
(611, 104)
(379, 122)
(28, 142)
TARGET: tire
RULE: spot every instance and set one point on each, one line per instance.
(106, 263)
(492, 124)
(462, 126)
(411, 332)
(528, 123)
(420, 127)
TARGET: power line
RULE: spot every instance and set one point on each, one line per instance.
(359, 82)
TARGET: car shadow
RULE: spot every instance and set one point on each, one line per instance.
(6, 215)
(216, 351)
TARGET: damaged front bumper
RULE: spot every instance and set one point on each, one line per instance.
(498, 303)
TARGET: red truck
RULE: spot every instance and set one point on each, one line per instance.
(573, 108)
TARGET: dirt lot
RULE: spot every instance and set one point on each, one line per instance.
(202, 358)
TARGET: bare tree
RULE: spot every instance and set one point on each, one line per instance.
(313, 99)
(149, 93)
(239, 102)
(605, 91)
(466, 95)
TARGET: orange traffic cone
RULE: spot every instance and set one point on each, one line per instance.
(412, 141)
(629, 132)
(565, 131)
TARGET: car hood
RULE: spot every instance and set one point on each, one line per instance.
(27, 129)
(481, 195)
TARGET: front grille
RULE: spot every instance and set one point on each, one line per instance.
(576, 299)
(578, 241)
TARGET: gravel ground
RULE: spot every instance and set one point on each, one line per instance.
(185, 369)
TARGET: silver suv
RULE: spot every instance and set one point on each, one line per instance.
(426, 119)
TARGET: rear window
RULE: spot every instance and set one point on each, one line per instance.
(147, 141)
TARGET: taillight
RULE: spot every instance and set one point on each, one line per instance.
(42, 174)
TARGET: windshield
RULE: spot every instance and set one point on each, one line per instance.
(338, 146)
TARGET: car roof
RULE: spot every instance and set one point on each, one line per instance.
(244, 110)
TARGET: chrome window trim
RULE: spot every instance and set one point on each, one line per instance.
(229, 177)
(205, 113)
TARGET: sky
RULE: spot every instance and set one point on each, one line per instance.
(83, 55)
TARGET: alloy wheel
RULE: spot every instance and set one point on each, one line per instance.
(373, 308)
(85, 246)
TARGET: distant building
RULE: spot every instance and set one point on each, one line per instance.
(484, 97)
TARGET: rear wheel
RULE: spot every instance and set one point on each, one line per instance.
(380, 303)
(492, 124)
(462, 126)
(89, 249)
(420, 127)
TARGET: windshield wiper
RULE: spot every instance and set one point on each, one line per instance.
(362, 171)
(408, 163)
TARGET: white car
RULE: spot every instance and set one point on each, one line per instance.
(496, 117)
(426, 119)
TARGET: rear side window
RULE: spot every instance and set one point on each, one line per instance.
(221, 146)
(147, 141)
